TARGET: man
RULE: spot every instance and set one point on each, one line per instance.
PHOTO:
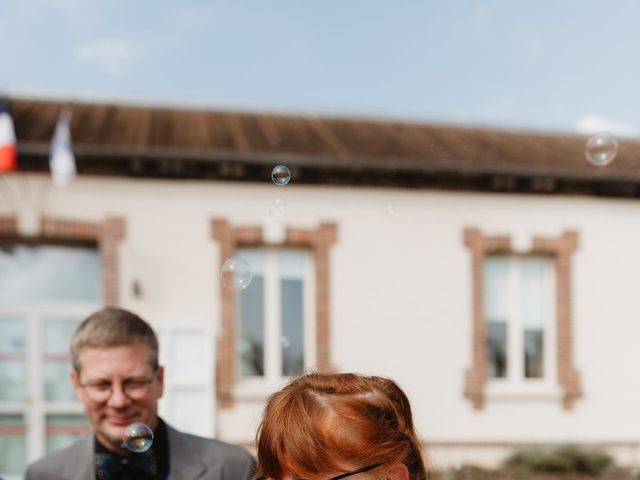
(116, 376)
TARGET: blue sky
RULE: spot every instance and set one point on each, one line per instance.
(547, 65)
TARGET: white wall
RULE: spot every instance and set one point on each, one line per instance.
(400, 289)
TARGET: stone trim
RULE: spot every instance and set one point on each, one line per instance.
(230, 238)
(560, 248)
(106, 234)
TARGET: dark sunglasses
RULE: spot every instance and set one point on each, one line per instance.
(338, 477)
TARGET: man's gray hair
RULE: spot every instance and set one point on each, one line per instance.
(113, 327)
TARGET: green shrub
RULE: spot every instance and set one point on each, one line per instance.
(557, 460)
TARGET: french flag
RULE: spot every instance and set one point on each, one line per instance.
(8, 149)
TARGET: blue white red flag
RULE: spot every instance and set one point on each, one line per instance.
(61, 161)
(8, 148)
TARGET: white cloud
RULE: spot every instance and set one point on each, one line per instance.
(593, 123)
(113, 56)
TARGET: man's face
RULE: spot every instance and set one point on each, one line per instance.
(126, 365)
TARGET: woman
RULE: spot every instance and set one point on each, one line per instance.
(334, 426)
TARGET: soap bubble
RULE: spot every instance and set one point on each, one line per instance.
(601, 149)
(280, 175)
(391, 211)
(236, 273)
(138, 437)
(277, 207)
(285, 342)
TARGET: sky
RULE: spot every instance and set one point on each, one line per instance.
(548, 65)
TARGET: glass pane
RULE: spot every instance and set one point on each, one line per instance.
(291, 268)
(534, 304)
(13, 366)
(496, 309)
(250, 314)
(13, 445)
(496, 301)
(56, 362)
(63, 430)
(48, 272)
(497, 349)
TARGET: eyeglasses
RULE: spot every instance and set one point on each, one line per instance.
(134, 388)
(338, 477)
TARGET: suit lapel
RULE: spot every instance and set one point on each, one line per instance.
(184, 465)
(80, 464)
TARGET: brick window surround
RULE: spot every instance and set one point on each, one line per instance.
(560, 248)
(106, 235)
(230, 238)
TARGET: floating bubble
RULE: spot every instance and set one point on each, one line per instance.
(277, 207)
(274, 211)
(601, 149)
(138, 437)
(236, 273)
(391, 211)
(285, 342)
(280, 175)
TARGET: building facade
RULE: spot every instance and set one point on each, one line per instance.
(492, 274)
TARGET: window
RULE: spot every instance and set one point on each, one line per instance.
(45, 291)
(269, 338)
(275, 333)
(519, 317)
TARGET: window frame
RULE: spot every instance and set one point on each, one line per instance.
(567, 387)
(515, 382)
(230, 238)
(273, 379)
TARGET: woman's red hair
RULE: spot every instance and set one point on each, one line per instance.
(320, 422)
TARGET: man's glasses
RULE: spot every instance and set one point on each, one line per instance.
(338, 477)
(134, 388)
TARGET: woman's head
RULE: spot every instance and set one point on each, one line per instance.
(324, 423)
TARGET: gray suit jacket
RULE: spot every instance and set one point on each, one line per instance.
(190, 458)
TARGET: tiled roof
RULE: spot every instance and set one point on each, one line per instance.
(181, 143)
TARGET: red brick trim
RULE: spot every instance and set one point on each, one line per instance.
(561, 248)
(230, 238)
(112, 233)
(52, 430)
(15, 430)
(8, 227)
(225, 362)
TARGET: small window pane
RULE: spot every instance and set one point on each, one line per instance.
(13, 445)
(497, 349)
(57, 362)
(496, 308)
(496, 300)
(534, 304)
(291, 266)
(250, 314)
(13, 366)
(63, 430)
(48, 272)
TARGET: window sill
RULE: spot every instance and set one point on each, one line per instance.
(521, 391)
